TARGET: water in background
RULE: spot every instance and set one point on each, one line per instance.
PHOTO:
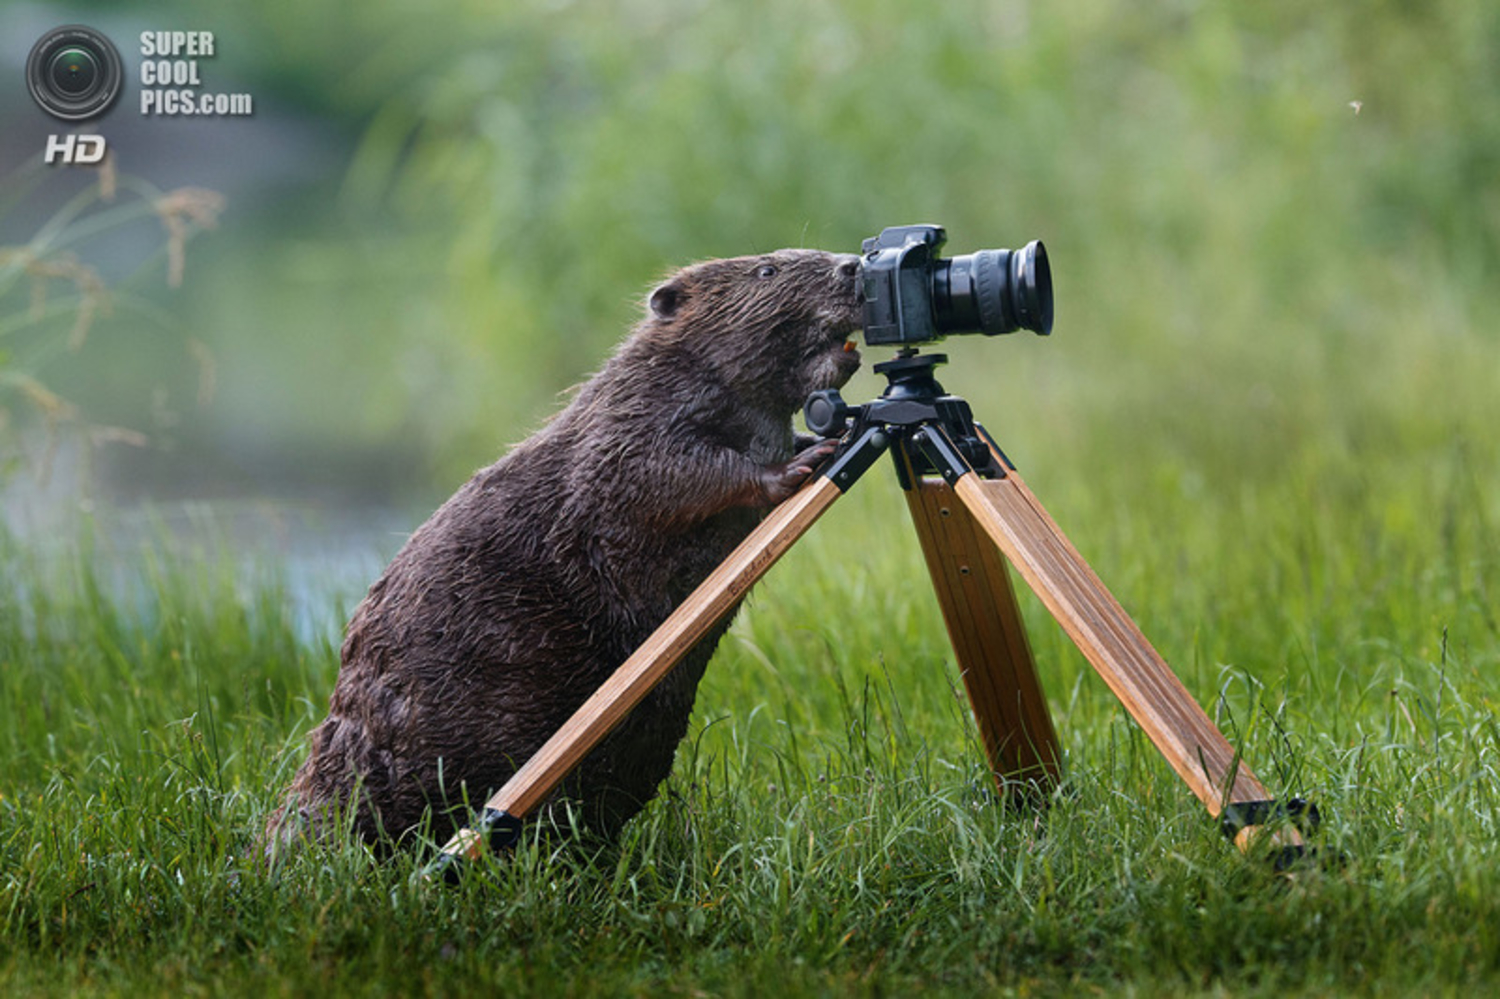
(319, 553)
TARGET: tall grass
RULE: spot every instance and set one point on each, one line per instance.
(829, 826)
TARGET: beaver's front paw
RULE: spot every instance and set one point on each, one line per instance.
(777, 482)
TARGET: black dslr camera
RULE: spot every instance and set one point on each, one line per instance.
(913, 297)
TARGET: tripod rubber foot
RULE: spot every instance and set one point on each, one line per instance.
(1291, 859)
(1241, 815)
(497, 829)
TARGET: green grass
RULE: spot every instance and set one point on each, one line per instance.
(1267, 418)
(829, 827)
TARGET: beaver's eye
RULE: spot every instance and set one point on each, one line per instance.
(767, 270)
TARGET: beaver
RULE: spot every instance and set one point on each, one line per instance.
(538, 578)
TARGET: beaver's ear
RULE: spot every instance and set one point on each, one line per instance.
(666, 300)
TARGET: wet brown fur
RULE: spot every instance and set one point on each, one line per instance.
(528, 587)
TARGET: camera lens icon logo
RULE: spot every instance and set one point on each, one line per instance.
(74, 73)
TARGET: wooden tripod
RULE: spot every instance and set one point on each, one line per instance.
(969, 506)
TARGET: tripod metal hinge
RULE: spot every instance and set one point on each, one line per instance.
(853, 459)
(1001, 460)
(953, 457)
(941, 453)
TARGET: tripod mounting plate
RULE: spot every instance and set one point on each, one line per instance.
(908, 362)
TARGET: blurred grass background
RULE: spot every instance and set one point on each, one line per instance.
(1268, 226)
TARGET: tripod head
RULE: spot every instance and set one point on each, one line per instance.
(909, 378)
(936, 431)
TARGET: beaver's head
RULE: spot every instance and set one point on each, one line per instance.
(773, 328)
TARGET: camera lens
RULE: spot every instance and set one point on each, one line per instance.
(74, 71)
(1031, 288)
(994, 291)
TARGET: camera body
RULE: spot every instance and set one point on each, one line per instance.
(912, 296)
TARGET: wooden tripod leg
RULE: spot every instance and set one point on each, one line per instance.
(989, 640)
(1110, 640)
(715, 597)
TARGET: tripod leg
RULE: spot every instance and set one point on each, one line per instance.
(647, 666)
(1008, 512)
(989, 639)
